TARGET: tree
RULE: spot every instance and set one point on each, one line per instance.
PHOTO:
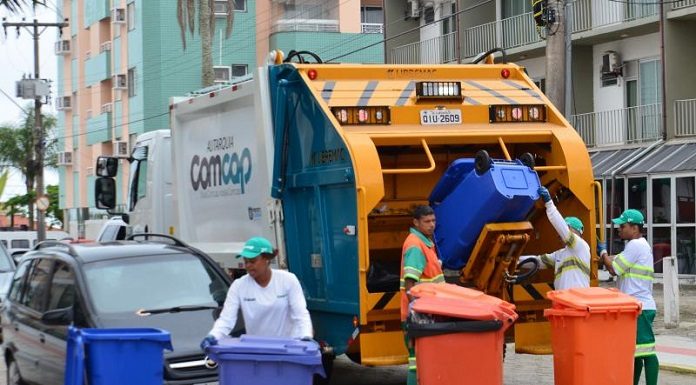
(17, 150)
(205, 9)
(15, 6)
(54, 213)
(18, 204)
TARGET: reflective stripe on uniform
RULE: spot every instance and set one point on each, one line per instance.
(436, 279)
(632, 270)
(548, 261)
(572, 263)
(643, 350)
(412, 363)
(571, 240)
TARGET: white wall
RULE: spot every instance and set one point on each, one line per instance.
(642, 47)
(536, 67)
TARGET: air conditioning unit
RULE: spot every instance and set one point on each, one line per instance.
(65, 158)
(62, 47)
(223, 74)
(63, 103)
(105, 46)
(106, 108)
(412, 9)
(120, 148)
(611, 63)
(118, 15)
(120, 82)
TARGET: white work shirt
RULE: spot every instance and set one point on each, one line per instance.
(277, 310)
(571, 263)
(634, 268)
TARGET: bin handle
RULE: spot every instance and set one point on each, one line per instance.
(439, 328)
(415, 170)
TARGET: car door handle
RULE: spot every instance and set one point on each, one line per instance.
(42, 338)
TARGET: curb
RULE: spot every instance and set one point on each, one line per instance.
(686, 369)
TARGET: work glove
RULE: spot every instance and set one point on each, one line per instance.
(544, 194)
(305, 338)
(207, 342)
(601, 248)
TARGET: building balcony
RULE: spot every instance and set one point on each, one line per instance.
(589, 16)
(99, 128)
(305, 25)
(683, 4)
(98, 68)
(441, 49)
(622, 126)
(685, 116)
(372, 28)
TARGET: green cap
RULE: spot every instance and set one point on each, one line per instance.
(575, 224)
(631, 216)
(256, 246)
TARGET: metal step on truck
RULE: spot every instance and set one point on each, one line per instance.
(329, 159)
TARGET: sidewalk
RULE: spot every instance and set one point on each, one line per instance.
(676, 353)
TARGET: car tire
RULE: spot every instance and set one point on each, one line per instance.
(13, 375)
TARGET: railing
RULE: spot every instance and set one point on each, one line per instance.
(520, 30)
(616, 127)
(372, 28)
(685, 116)
(432, 51)
(683, 4)
(305, 25)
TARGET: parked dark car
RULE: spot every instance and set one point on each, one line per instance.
(160, 283)
(7, 269)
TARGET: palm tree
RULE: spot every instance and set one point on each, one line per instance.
(15, 6)
(17, 150)
(186, 15)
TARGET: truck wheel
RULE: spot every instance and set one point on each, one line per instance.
(527, 159)
(482, 162)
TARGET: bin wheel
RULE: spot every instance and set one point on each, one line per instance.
(327, 361)
(482, 162)
(527, 159)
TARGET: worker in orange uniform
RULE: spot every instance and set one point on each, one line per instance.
(419, 263)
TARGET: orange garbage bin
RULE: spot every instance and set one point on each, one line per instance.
(463, 342)
(593, 336)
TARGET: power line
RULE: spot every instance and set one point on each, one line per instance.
(13, 101)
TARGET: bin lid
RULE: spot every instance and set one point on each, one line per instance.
(249, 344)
(460, 302)
(593, 299)
(121, 334)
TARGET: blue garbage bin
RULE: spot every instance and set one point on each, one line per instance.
(116, 356)
(464, 201)
(253, 360)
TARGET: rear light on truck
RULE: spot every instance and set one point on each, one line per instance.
(517, 113)
(362, 115)
(439, 90)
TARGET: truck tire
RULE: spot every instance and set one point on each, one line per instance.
(327, 361)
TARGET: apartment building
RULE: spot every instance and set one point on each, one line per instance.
(642, 141)
(120, 62)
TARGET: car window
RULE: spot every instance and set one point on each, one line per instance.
(113, 233)
(6, 263)
(19, 281)
(36, 295)
(153, 282)
(62, 292)
(4, 242)
(19, 244)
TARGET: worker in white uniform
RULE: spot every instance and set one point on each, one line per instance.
(571, 264)
(271, 300)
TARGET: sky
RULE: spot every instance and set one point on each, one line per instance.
(17, 59)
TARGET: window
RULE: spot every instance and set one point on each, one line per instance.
(686, 250)
(131, 82)
(541, 83)
(371, 15)
(685, 200)
(239, 70)
(429, 14)
(515, 7)
(62, 292)
(221, 7)
(37, 287)
(661, 192)
(19, 281)
(130, 14)
(618, 199)
(138, 188)
(4, 242)
(19, 244)
(637, 194)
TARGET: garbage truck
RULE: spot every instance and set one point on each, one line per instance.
(328, 160)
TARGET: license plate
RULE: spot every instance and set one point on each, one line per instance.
(431, 117)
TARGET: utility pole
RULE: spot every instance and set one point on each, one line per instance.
(556, 54)
(38, 137)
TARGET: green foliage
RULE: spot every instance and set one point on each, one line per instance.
(54, 212)
(14, 6)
